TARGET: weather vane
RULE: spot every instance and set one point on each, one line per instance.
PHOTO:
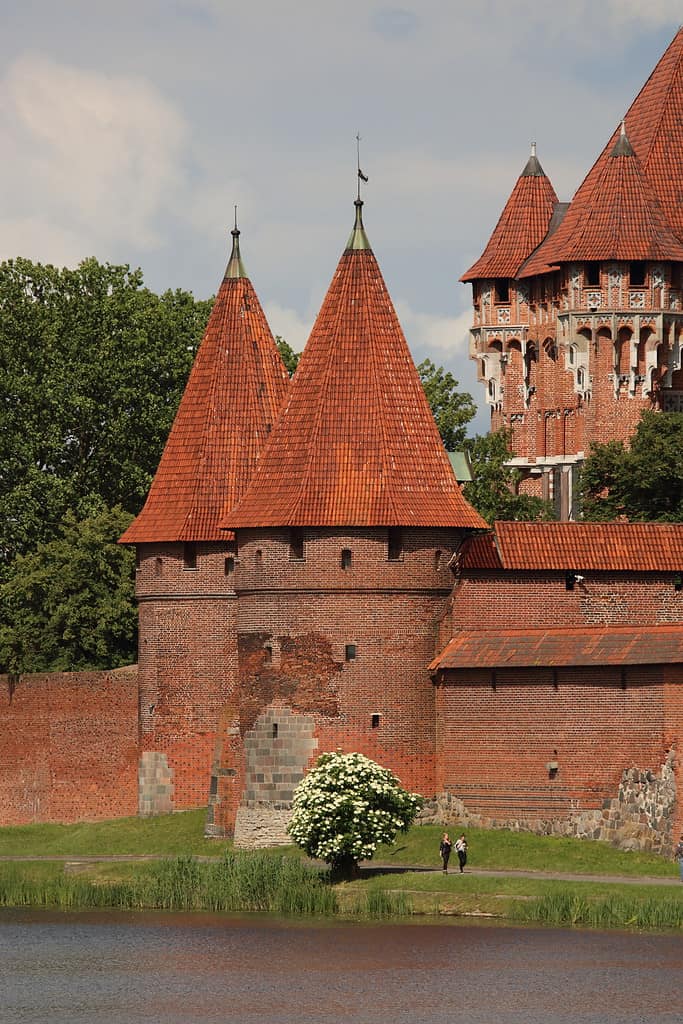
(361, 176)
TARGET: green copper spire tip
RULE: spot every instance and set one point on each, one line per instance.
(358, 239)
(235, 267)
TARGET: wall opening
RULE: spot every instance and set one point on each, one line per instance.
(346, 558)
(189, 555)
(350, 652)
(296, 543)
(395, 544)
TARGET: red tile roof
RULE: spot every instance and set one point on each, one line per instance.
(233, 394)
(523, 224)
(614, 215)
(621, 547)
(479, 551)
(355, 443)
(537, 648)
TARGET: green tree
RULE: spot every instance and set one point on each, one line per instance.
(289, 357)
(643, 483)
(70, 604)
(452, 409)
(492, 490)
(92, 367)
(345, 807)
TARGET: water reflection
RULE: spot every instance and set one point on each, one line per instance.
(191, 969)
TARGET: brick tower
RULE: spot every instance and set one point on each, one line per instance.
(345, 534)
(578, 307)
(185, 567)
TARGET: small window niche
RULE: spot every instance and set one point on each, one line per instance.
(395, 544)
(438, 556)
(258, 557)
(274, 731)
(350, 652)
(502, 290)
(296, 544)
(346, 558)
(229, 566)
(636, 274)
(592, 274)
(158, 567)
(374, 721)
(189, 556)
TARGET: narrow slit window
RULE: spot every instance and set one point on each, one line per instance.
(346, 559)
(503, 290)
(190, 556)
(229, 566)
(274, 730)
(296, 543)
(437, 560)
(395, 544)
(374, 722)
(350, 652)
(258, 556)
(158, 566)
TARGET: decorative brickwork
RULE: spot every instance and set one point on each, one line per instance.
(574, 342)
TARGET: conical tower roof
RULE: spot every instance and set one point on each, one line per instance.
(233, 394)
(615, 215)
(522, 225)
(355, 443)
(655, 132)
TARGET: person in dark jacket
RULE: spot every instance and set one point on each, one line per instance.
(445, 850)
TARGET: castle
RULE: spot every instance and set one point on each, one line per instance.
(310, 576)
(578, 306)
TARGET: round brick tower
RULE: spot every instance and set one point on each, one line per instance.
(345, 534)
(187, 659)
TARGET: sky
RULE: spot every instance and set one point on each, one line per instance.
(130, 130)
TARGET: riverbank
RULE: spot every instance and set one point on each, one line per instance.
(511, 877)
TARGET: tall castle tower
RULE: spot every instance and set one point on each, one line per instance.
(344, 534)
(187, 657)
(578, 307)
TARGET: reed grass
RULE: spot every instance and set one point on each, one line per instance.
(237, 882)
(570, 909)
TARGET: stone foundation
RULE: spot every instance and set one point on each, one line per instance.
(639, 817)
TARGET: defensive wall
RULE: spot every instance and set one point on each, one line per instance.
(68, 746)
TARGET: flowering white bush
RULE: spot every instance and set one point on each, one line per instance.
(346, 806)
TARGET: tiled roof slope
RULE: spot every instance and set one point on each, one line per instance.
(523, 224)
(355, 443)
(655, 131)
(479, 551)
(233, 394)
(529, 648)
(615, 215)
(620, 547)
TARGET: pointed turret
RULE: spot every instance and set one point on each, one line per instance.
(355, 443)
(523, 224)
(615, 215)
(233, 394)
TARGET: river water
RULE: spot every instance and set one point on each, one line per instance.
(153, 968)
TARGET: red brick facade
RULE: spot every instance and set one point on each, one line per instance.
(68, 746)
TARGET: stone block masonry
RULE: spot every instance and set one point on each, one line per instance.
(68, 746)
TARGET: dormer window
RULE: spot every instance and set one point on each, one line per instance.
(592, 273)
(636, 273)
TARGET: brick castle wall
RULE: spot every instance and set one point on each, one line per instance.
(346, 645)
(187, 668)
(68, 746)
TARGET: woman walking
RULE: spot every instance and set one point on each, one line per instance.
(445, 851)
(461, 850)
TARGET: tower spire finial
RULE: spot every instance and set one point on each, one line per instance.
(361, 176)
(235, 267)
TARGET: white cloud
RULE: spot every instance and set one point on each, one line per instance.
(288, 324)
(88, 156)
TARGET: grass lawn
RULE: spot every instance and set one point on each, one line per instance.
(167, 835)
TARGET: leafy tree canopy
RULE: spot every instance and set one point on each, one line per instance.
(452, 409)
(92, 367)
(492, 490)
(643, 483)
(346, 806)
(289, 357)
(70, 603)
